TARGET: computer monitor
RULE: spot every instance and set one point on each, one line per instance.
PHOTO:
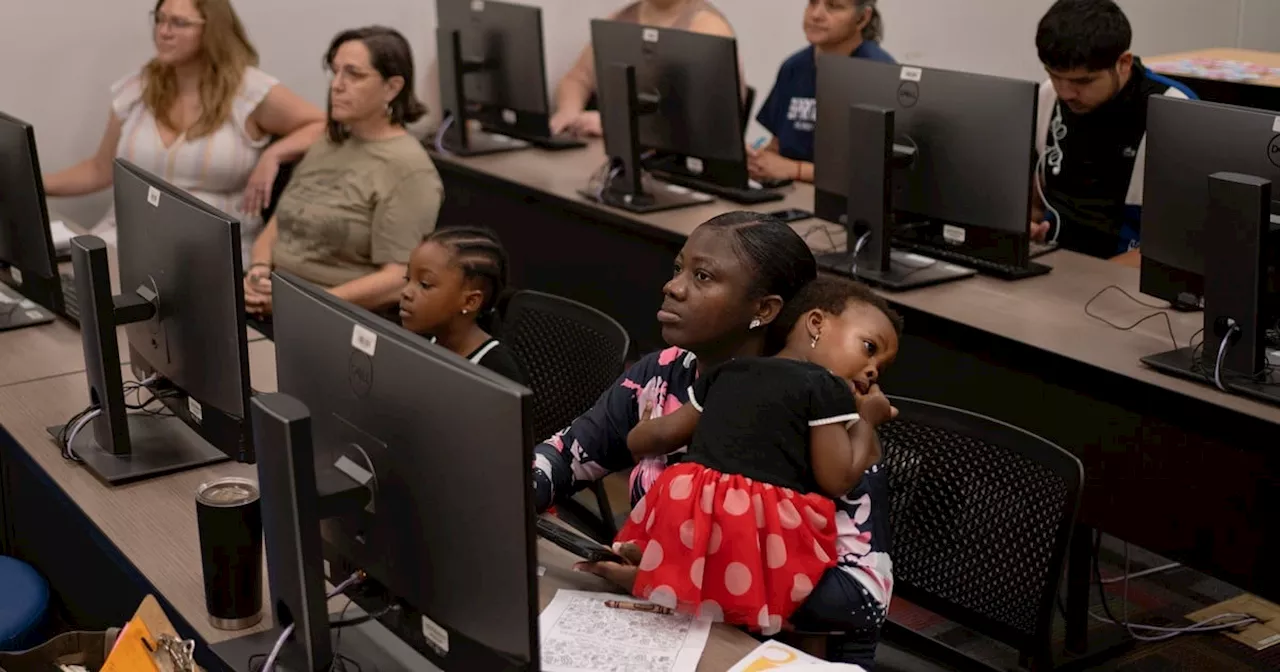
(493, 70)
(182, 306)
(27, 257)
(446, 446)
(1187, 141)
(684, 112)
(961, 181)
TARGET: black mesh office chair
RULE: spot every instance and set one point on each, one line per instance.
(982, 514)
(571, 353)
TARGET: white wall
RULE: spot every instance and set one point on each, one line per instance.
(60, 56)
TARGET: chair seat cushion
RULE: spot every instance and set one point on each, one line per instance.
(24, 598)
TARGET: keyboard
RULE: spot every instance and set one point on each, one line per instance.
(70, 303)
(983, 266)
(750, 195)
(558, 142)
(1041, 249)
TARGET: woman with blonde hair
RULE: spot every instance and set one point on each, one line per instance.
(200, 115)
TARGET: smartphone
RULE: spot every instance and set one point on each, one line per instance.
(576, 544)
(792, 215)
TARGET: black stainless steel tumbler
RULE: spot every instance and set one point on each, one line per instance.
(229, 515)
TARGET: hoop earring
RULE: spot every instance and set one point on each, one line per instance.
(755, 324)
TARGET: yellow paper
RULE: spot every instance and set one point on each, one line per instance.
(771, 656)
(130, 654)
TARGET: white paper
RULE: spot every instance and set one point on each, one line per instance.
(580, 634)
(772, 656)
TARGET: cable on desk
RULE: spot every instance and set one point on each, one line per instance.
(269, 665)
(438, 142)
(1162, 313)
(360, 620)
(1135, 629)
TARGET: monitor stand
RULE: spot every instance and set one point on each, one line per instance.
(1234, 289)
(459, 138)
(870, 209)
(116, 446)
(158, 446)
(17, 311)
(621, 107)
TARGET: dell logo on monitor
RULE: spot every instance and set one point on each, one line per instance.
(908, 94)
(1273, 151)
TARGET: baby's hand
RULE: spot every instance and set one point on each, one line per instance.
(874, 407)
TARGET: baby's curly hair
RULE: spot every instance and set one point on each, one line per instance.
(830, 294)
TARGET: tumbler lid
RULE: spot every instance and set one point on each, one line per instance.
(228, 492)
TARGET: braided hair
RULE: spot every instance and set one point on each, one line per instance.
(480, 255)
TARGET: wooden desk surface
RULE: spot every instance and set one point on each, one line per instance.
(1045, 312)
(153, 523)
(1266, 58)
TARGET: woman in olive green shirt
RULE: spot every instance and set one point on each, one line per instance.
(364, 196)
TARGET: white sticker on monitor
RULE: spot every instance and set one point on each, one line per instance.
(27, 304)
(509, 117)
(910, 74)
(327, 568)
(477, 5)
(17, 275)
(694, 165)
(34, 315)
(650, 35)
(153, 196)
(1276, 125)
(197, 412)
(357, 473)
(363, 340)
(435, 635)
(953, 234)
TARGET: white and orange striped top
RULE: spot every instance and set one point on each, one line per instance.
(214, 168)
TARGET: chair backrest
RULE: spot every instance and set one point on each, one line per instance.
(981, 514)
(748, 102)
(571, 353)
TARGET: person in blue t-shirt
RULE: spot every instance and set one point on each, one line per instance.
(852, 27)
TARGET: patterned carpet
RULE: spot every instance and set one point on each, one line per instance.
(1162, 599)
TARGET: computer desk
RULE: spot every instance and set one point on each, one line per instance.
(1263, 93)
(1171, 465)
(104, 549)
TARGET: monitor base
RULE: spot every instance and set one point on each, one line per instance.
(552, 143)
(906, 271)
(1183, 364)
(161, 445)
(740, 195)
(655, 200)
(17, 311)
(480, 144)
(370, 646)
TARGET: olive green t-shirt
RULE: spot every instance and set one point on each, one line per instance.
(354, 207)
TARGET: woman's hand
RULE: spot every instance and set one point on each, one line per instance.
(257, 291)
(770, 165)
(619, 574)
(257, 193)
(581, 124)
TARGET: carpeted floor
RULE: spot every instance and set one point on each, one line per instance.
(1161, 599)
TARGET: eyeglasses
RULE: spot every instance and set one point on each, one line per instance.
(175, 22)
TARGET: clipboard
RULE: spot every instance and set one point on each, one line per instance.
(149, 643)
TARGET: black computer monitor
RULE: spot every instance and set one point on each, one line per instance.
(27, 257)
(446, 446)
(493, 70)
(182, 306)
(1187, 141)
(681, 105)
(961, 148)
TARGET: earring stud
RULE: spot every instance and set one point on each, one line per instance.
(755, 324)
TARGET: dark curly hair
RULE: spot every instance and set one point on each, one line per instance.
(830, 294)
